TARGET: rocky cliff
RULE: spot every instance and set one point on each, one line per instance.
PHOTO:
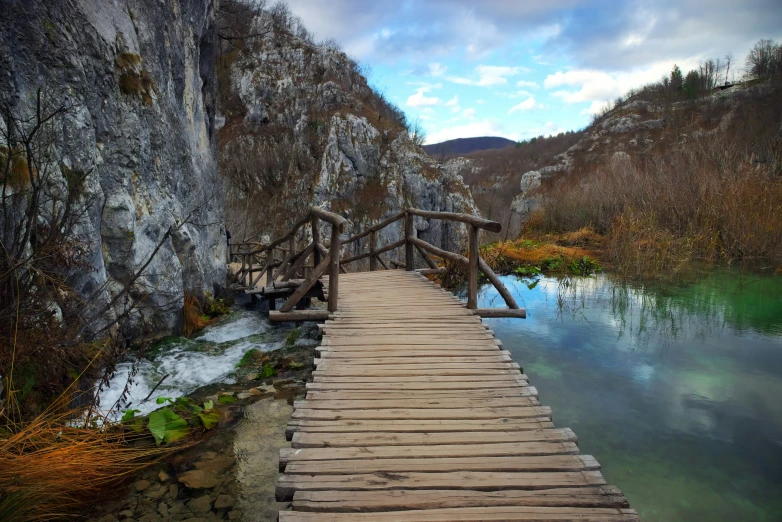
(138, 81)
(302, 127)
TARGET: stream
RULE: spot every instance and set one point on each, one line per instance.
(676, 389)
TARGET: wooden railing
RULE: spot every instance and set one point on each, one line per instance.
(298, 281)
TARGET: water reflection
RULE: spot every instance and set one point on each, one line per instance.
(673, 387)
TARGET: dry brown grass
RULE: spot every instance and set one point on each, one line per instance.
(50, 470)
(193, 318)
(714, 198)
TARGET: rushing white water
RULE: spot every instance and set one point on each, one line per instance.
(190, 363)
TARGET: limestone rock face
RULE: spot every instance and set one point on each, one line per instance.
(138, 77)
(304, 128)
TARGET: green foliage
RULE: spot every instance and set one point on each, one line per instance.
(166, 426)
(584, 266)
(209, 405)
(209, 420)
(163, 400)
(267, 371)
(129, 415)
(552, 264)
(676, 78)
(527, 270)
(216, 307)
(226, 399)
(290, 340)
(248, 358)
(296, 365)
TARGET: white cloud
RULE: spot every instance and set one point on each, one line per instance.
(526, 83)
(488, 75)
(480, 102)
(526, 105)
(468, 113)
(419, 99)
(484, 127)
(453, 102)
(437, 69)
(599, 87)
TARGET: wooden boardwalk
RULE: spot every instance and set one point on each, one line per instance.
(416, 412)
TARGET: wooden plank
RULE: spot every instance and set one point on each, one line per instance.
(365, 404)
(413, 359)
(333, 440)
(466, 374)
(444, 464)
(435, 385)
(429, 451)
(418, 426)
(415, 369)
(509, 379)
(407, 413)
(504, 513)
(306, 285)
(469, 480)
(362, 501)
(511, 391)
(416, 353)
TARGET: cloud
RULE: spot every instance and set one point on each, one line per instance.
(480, 102)
(592, 85)
(419, 99)
(468, 113)
(526, 83)
(526, 105)
(590, 33)
(436, 69)
(488, 75)
(453, 102)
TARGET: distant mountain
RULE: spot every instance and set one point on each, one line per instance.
(460, 146)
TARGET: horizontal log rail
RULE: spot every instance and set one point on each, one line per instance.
(289, 272)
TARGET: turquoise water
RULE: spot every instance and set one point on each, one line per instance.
(676, 389)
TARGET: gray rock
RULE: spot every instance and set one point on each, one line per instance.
(139, 78)
(224, 501)
(200, 505)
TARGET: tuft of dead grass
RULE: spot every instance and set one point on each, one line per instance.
(193, 318)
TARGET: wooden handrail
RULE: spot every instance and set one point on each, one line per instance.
(478, 222)
(328, 260)
(375, 228)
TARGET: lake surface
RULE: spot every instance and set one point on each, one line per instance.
(676, 389)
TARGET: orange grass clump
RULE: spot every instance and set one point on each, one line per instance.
(193, 318)
(505, 256)
(50, 469)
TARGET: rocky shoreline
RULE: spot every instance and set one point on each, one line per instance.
(231, 473)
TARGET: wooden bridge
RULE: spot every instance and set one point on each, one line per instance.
(415, 411)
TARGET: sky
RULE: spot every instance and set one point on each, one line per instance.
(525, 68)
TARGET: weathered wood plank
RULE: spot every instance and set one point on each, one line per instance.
(333, 440)
(406, 413)
(363, 501)
(444, 464)
(504, 513)
(417, 426)
(430, 451)
(468, 480)
(443, 403)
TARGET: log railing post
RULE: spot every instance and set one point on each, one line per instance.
(315, 239)
(242, 273)
(269, 267)
(250, 270)
(292, 247)
(372, 258)
(334, 268)
(409, 252)
(472, 270)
